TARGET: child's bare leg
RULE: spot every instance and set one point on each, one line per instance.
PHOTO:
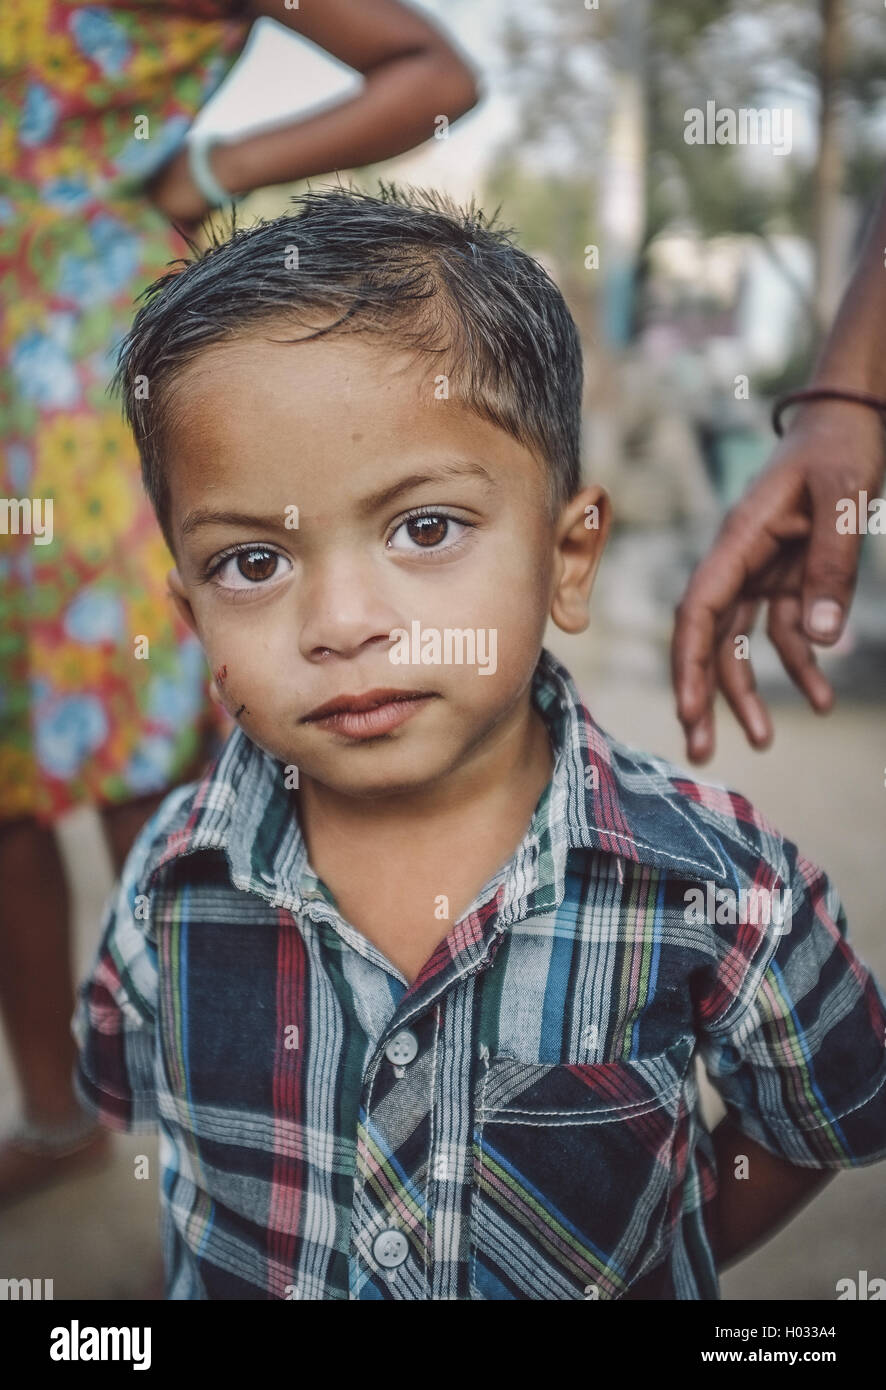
(37, 999)
(36, 985)
(36, 989)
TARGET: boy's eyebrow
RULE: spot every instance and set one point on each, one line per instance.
(205, 516)
(465, 468)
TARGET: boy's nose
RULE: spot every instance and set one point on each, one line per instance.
(343, 611)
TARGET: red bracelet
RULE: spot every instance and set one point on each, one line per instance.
(822, 393)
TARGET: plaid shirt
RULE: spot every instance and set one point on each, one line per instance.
(520, 1122)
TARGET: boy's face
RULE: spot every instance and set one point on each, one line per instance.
(292, 616)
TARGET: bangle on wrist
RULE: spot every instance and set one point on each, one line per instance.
(200, 143)
(824, 393)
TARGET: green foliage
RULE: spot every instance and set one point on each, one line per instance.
(554, 211)
(753, 53)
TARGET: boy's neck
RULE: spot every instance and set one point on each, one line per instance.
(507, 776)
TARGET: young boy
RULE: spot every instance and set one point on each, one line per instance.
(412, 981)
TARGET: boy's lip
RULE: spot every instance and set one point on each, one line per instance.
(370, 699)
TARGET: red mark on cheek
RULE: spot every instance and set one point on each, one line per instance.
(221, 676)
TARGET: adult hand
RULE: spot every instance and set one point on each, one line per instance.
(173, 191)
(779, 543)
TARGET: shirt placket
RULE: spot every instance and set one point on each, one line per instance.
(411, 1202)
(410, 1213)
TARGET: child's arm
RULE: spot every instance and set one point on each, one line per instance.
(792, 1031)
(750, 1210)
(116, 1003)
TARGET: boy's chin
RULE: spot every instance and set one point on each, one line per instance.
(390, 790)
(372, 772)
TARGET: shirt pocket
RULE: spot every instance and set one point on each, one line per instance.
(572, 1174)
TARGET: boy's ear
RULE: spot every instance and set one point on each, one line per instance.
(180, 599)
(582, 532)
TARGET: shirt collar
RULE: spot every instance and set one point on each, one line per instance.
(602, 796)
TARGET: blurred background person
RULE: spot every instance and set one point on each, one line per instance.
(103, 691)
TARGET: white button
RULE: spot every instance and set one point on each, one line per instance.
(390, 1248)
(402, 1048)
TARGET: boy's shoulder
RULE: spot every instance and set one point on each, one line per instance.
(162, 836)
(220, 811)
(742, 886)
(651, 809)
(612, 796)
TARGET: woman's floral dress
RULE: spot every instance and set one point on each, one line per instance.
(103, 689)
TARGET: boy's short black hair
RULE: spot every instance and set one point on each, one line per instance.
(409, 264)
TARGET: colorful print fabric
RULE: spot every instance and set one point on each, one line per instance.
(103, 689)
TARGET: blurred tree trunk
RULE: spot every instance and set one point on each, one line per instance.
(828, 175)
(623, 207)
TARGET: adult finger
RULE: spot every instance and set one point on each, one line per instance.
(714, 585)
(692, 674)
(712, 592)
(831, 566)
(785, 631)
(736, 676)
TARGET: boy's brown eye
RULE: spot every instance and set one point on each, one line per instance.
(435, 532)
(428, 530)
(252, 567)
(257, 564)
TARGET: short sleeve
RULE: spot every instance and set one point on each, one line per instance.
(799, 1053)
(114, 1019)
